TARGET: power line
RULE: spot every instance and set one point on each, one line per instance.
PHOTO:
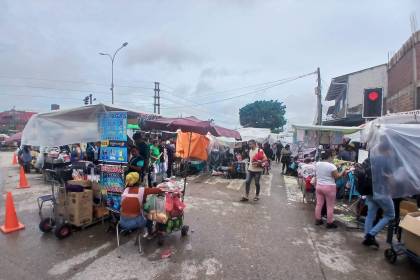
(52, 88)
(72, 82)
(252, 92)
(256, 86)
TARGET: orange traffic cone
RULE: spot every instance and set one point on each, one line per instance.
(11, 222)
(23, 182)
(14, 160)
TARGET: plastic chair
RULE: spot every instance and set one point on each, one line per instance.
(136, 242)
(115, 219)
(352, 183)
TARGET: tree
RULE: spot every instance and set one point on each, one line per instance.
(263, 114)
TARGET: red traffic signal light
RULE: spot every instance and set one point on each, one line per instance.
(373, 95)
(372, 103)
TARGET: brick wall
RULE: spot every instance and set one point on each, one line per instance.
(401, 102)
(418, 60)
(400, 74)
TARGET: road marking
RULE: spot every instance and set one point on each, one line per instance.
(191, 269)
(293, 191)
(123, 263)
(67, 265)
(326, 246)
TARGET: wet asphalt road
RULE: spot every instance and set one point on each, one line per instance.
(272, 239)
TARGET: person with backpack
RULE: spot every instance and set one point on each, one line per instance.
(285, 159)
(257, 158)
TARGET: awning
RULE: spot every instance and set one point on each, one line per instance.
(190, 124)
(342, 129)
(63, 127)
(337, 88)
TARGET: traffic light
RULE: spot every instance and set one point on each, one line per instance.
(372, 103)
(86, 100)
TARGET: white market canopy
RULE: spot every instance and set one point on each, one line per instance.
(342, 129)
(69, 126)
(253, 133)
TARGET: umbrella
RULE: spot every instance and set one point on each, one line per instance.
(14, 138)
(190, 124)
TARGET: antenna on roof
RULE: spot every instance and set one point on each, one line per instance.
(413, 22)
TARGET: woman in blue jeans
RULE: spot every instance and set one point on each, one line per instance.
(374, 203)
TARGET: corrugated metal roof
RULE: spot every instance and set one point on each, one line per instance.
(335, 90)
(331, 110)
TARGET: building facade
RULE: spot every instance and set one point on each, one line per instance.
(347, 93)
(404, 77)
(14, 121)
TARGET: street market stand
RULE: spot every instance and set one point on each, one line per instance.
(191, 139)
(84, 200)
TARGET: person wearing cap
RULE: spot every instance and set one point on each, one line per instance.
(132, 201)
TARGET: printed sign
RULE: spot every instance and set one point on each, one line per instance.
(112, 178)
(114, 154)
(113, 136)
(113, 126)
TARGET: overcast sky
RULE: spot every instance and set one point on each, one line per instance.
(201, 51)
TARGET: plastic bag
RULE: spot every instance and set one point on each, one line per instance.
(394, 154)
(155, 208)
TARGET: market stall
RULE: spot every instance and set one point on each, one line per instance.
(309, 141)
(192, 143)
(83, 192)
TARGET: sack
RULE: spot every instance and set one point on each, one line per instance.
(285, 158)
(309, 186)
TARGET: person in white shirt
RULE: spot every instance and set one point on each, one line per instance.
(256, 159)
(326, 189)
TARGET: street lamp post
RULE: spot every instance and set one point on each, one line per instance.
(112, 58)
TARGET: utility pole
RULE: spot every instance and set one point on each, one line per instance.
(319, 97)
(156, 103)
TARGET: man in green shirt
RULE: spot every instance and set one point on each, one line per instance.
(154, 159)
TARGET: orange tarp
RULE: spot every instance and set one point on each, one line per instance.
(199, 144)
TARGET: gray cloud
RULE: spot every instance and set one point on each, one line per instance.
(162, 50)
(212, 73)
(197, 47)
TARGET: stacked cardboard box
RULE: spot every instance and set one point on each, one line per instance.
(407, 207)
(411, 232)
(79, 207)
(100, 211)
